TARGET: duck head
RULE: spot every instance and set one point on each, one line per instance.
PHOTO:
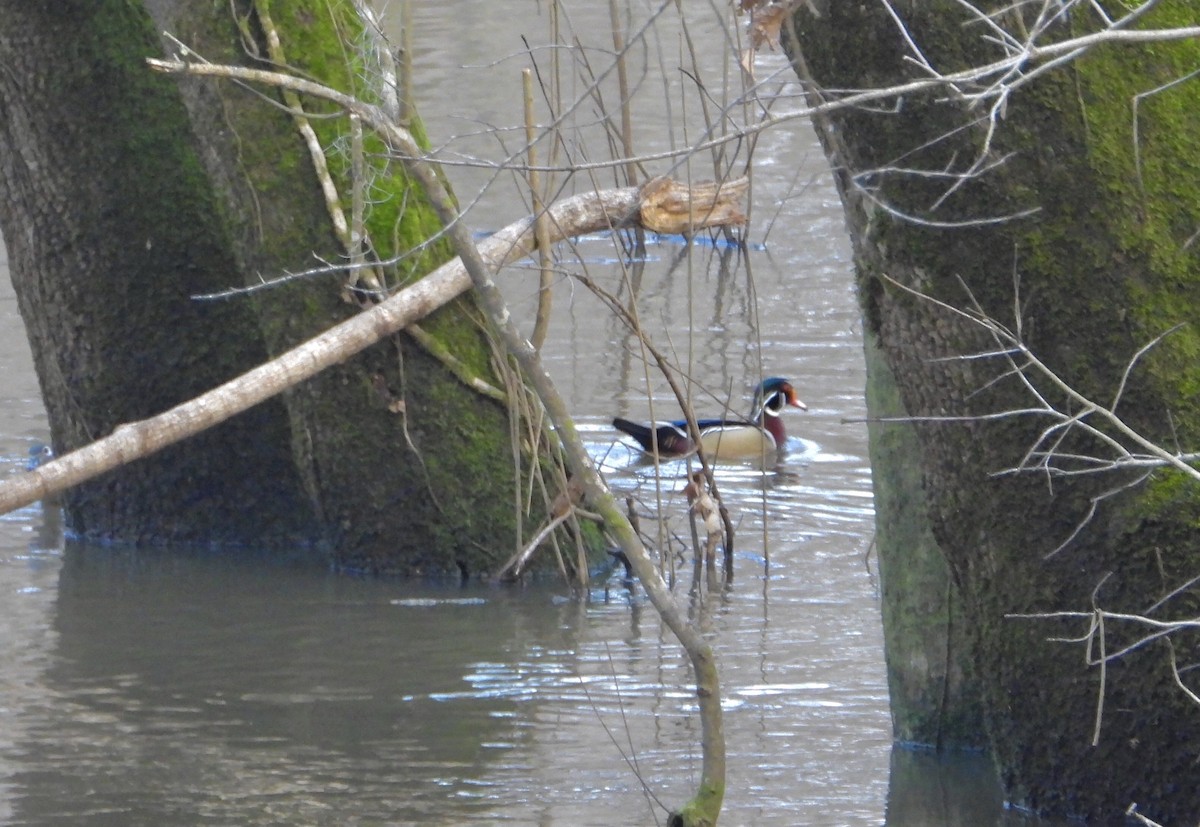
(771, 397)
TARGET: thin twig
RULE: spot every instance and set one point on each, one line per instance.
(545, 262)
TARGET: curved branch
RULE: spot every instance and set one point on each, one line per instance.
(592, 212)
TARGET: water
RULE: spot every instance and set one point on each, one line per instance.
(173, 688)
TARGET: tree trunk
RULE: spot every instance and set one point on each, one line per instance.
(390, 460)
(419, 476)
(935, 700)
(111, 226)
(1102, 268)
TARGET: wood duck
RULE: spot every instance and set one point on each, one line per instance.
(759, 434)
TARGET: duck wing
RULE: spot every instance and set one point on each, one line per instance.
(672, 437)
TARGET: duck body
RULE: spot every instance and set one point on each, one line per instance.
(760, 434)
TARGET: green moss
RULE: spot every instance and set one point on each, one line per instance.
(934, 701)
(1169, 496)
(425, 489)
(400, 221)
(703, 809)
(594, 540)
(1157, 202)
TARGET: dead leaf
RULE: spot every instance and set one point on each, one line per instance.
(765, 26)
(568, 499)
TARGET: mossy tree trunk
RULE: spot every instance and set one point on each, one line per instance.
(1104, 265)
(111, 226)
(390, 460)
(927, 645)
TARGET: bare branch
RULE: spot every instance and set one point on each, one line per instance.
(480, 271)
(1138, 450)
(585, 213)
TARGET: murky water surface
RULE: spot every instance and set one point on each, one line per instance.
(173, 688)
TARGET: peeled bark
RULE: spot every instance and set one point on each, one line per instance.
(1101, 268)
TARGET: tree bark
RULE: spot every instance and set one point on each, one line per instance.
(133, 193)
(1101, 268)
(111, 226)
(409, 469)
(927, 645)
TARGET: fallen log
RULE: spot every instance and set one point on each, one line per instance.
(581, 214)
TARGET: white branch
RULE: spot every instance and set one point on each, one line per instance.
(1009, 346)
(591, 212)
